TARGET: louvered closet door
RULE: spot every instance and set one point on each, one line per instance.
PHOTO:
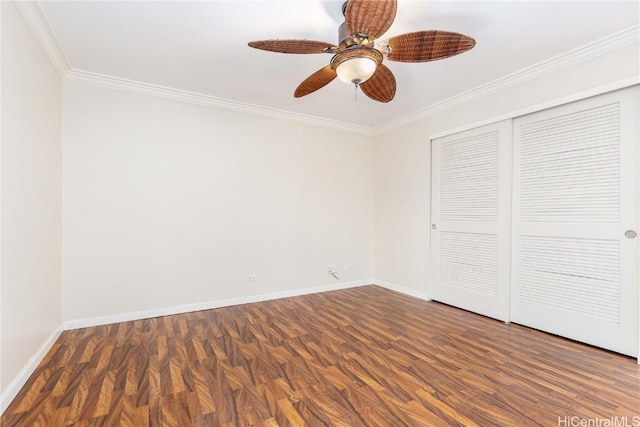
(471, 184)
(575, 273)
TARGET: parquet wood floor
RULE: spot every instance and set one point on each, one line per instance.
(357, 357)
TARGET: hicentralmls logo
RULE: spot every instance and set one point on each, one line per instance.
(575, 421)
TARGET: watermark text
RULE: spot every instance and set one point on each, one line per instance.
(576, 421)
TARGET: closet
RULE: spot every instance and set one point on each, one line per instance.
(535, 220)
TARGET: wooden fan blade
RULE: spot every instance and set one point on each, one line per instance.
(370, 17)
(315, 81)
(423, 46)
(382, 86)
(291, 46)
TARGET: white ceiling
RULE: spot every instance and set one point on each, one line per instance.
(201, 46)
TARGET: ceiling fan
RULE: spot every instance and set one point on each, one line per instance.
(358, 57)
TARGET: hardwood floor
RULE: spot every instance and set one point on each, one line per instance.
(357, 357)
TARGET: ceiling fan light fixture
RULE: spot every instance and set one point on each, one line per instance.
(356, 65)
(356, 70)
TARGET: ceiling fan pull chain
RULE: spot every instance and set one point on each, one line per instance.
(355, 93)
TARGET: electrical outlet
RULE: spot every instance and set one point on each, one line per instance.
(252, 278)
(333, 269)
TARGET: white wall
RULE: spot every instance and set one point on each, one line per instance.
(167, 204)
(30, 201)
(402, 163)
(402, 200)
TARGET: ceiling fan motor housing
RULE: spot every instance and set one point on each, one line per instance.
(356, 52)
(346, 40)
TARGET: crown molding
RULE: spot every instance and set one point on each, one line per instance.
(551, 103)
(42, 31)
(37, 22)
(164, 92)
(44, 34)
(603, 46)
(597, 48)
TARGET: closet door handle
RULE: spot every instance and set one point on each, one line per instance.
(630, 234)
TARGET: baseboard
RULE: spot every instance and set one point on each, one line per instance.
(21, 379)
(402, 290)
(185, 308)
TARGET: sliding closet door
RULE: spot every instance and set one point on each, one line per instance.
(575, 218)
(471, 185)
